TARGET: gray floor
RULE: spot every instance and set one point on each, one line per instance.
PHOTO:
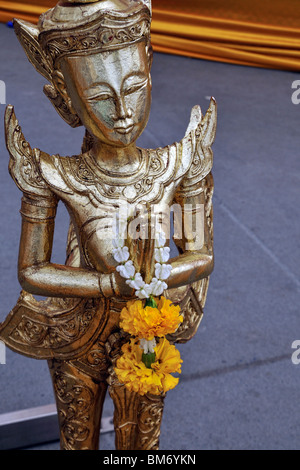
(239, 388)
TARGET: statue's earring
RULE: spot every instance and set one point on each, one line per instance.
(58, 95)
(62, 107)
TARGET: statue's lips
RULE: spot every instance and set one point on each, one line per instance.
(124, 130)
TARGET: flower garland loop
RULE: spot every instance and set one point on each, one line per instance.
(147, 362)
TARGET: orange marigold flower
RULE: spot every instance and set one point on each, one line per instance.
(170, 314)
(149, 322)
(132, 372)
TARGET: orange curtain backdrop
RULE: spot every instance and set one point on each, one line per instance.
(28, 10)
(262, 33)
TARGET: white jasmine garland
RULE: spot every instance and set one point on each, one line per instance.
(135, 280)
(160, 240)
(121, 255)
(163, 271)
(162, 254)
(118, 243)
(158, 287)
(144, 292)
(126, 270)
(148, 346)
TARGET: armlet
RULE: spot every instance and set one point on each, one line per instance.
(38, 210)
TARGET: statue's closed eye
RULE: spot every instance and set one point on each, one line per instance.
(136, 87)
(100, 97)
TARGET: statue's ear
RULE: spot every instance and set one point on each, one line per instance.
(61, 106)
(58, 95)
(28, 34)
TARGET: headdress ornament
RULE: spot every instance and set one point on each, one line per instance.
(75, 28)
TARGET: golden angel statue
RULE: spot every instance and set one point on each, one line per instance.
(97, 57)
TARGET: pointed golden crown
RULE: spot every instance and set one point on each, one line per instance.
(76, 28)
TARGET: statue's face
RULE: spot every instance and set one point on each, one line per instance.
(111, 92)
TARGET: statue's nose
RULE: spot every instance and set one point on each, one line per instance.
(122, 110)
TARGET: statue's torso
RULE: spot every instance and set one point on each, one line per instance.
(93, 198)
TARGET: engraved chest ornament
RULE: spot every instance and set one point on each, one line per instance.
(82, 174)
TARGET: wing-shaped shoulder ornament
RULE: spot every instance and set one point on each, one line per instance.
(22, 164)
(194, 152)
(199, 138)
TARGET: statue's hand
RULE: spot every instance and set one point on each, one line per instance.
(122, 289)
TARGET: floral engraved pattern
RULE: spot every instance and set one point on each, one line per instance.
(192, 314)
(29, 167)
(86, 174)
(149, 422)
(23, 166)
(103, 34)
(75, 401)
(95, 362)
(55, 335)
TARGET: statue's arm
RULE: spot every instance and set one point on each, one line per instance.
(196, 258)
(37, 275)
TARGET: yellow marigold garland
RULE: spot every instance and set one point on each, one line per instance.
(149, 373)
(149, 322)
(138, 378)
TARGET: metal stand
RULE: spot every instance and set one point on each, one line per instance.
(35, 426)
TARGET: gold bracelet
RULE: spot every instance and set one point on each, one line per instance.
(114, 286)
(105, 285)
